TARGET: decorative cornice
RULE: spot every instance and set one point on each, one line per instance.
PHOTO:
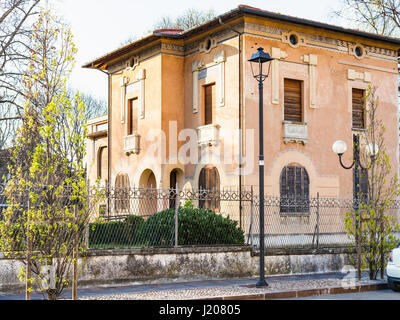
(308, 39)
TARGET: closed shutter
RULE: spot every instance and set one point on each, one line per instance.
(294, 188)
(209, 183)
(293, 101)
(358, 109)
(209, 103)
(102, 162)
(122, 189)
(133, 116)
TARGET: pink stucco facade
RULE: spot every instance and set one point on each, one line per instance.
(167, 72)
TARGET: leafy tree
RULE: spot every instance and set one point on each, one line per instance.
(374, 223)
(49, 201)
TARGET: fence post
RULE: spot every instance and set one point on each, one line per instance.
(251, 218)
(28, 257)
(176, 214)
(75, 259)
(317, 226)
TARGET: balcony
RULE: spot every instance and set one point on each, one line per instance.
(132, 144)
(208, 135)
(295, 132)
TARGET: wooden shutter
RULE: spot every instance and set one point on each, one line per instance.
(122, 188)
(358, 109)
(102, 162)
(209, 103)
(293, 101)
(133, 116)
(209, 181)
(294, 186)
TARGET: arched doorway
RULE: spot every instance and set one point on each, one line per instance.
(148, 191)
(209, 188)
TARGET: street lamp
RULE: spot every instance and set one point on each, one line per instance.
(339, 147)
(257, 60)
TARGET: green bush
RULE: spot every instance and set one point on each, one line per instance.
(196, 227)
(116, 232)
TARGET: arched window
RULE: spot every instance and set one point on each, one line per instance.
(294, 189)
(121, 193)
(102, 163)
(209, 188)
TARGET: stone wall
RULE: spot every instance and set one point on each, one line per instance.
(158, 265)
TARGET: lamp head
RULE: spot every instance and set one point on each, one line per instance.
(259, 58)
(339, 147)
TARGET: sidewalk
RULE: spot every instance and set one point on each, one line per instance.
(279, 287)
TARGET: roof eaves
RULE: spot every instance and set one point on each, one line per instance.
(277, 16)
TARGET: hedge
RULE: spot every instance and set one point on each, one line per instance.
(196, 227)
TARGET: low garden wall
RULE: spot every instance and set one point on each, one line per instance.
(160, 265)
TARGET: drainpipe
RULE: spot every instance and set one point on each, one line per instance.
(240, 117)
(108, 138)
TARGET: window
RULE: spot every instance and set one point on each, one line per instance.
(358, 121)
(132, 116)
(294, 40)
(294, 189)
(209, 188)
(121, 194)
(293, 100)
(209, 103)
(102, 163)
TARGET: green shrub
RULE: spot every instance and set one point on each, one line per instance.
(106, 233)
(118, 233)
(196, 227)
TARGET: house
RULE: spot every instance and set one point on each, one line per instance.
(183, 105)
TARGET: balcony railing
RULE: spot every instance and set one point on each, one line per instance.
(132, 144)
(295, 132)
(208, 135)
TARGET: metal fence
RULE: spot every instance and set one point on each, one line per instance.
(136, 217)
(156, 217)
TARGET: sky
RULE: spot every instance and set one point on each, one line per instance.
(100, 26)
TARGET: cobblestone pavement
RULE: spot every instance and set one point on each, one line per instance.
(284, 286)
(238, 290)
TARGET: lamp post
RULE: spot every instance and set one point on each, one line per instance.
(340, 147)
(258, 59)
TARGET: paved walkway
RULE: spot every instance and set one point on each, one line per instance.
(279, 287)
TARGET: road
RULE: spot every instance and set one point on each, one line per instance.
(371, 295)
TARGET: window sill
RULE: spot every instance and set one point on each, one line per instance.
(208, 135)
(295, 132)
(132, 144)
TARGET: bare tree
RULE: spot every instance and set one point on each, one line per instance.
(15, 34)
(189, 19)
(15, 37)
(379, 16)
